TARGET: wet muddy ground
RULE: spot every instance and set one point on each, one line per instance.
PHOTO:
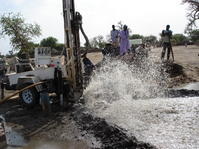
(75, 127)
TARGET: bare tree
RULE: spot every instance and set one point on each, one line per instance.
(98, 42)
(193, 14)
(120, 26)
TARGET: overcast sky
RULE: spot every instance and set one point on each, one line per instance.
(146, 17)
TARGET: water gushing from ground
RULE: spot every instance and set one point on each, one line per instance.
(116, 80)
(121, 94)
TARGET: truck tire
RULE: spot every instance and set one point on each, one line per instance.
(30, 97)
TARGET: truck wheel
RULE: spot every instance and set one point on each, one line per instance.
(29, 97)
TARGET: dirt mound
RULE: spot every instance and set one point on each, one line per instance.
(173, 69)
(178, 74)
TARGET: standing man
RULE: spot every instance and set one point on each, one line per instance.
(124, 40)
(114, 36)
(166, 38)
(114, 39)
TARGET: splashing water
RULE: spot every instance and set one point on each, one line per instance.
(117, 80)
(120, 93)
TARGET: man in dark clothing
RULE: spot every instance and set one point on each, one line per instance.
(115, 41)
(88, 65)
(166, 38)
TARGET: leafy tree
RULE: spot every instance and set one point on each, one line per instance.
(179, 39)
(53, 43)
(30, 51)
(193, 14)
(59, 46)
(194, 35)
(136, 36)
(98, 42)
(151, 40)
(49, 42)
(20, 33)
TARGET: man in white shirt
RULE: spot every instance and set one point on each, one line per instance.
(115, 38)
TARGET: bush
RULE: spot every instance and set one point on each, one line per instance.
(194, 35)
(179, 39)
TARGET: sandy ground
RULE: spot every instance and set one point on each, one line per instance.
(95, 57)
(186, 60)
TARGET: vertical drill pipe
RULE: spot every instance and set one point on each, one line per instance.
(72, 23)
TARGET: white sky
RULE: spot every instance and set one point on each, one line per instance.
(146, 17)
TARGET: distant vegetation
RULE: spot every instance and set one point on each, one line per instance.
(20, 33)
(136, 36)
(179, 39)
(98, 42)
(194, 36)
(53, 43)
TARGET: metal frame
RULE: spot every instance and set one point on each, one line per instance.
(72, 44)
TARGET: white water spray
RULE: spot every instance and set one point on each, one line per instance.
(117, 80)
(120, 94)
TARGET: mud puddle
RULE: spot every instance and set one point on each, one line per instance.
(55, 131)
(11, 139)
(50, 144)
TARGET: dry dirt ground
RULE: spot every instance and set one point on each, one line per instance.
(183, 70)
(74, 127)
(186, 65)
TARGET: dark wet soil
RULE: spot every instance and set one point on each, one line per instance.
(110, 136)
(32, 122)
(173, 93)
